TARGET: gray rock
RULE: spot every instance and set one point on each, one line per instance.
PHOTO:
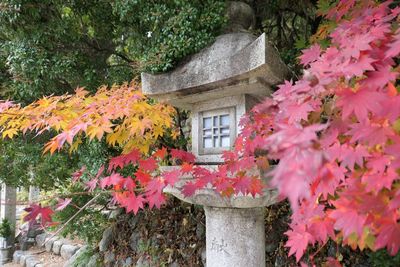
(49, 243)
(109, 258)
(134, 240)
(279, 261)
(115, 213)
(143, 262)
(31, 262)
(72, 259)
(39, 265)
(105, 242)
(128, 262)
(24, 258)
(271, 247)
(174, 264)
(204, 256)
(200, 230)
(40, 239)
(133, 221)
(93, 262)
(17, 255)
(57, 246)
(67, 251)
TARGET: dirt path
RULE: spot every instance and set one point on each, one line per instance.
(48, 259)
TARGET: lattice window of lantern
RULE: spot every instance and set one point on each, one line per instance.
(217, 130)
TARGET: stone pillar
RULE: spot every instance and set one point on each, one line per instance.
(34, 194)
(8, 200)
(235, 237)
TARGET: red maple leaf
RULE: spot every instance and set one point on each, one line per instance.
(35, 210)
(182, 155)
(186, 167)
(116, 162)
(149, 164)
(142, 177)
(348, 155)
(123, 160)
(256, 187)
(155, 185)
(161, 153)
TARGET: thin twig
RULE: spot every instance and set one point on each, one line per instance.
(73, 217)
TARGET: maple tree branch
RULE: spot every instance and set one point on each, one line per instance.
(72, 217)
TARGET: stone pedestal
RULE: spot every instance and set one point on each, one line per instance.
(235, 237)
(235, 230)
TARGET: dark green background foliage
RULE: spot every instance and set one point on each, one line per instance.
(53, 46)
(158, 34)
(22, 164)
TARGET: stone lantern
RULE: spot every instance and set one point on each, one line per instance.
(219, 85)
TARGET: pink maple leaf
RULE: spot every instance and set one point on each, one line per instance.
(360, 102)
(242, 184)
(394, 47)
(78, 174)
(389, 236)
(348, 220)
(380, 77)
(133, 203)
(113, 179)
(310, 54)
(370, 132)
(91, 185)
(171, 177)
(377, 181)
(63, 203)
(298, 240)
(155, 199)
(189, 189)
